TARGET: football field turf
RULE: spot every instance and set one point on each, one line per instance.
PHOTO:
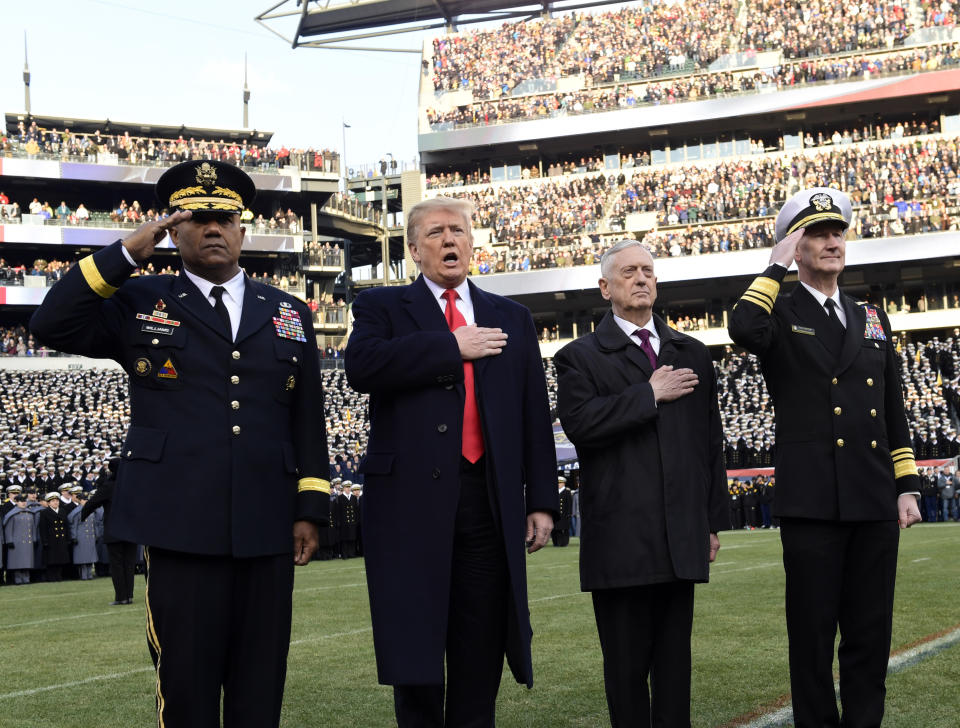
(67, 659)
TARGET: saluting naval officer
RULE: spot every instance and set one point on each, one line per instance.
(226, 404)
(845, 470)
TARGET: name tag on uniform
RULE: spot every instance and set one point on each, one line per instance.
(803, 330)
(157, 329)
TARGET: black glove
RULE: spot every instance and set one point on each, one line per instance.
(11, 546)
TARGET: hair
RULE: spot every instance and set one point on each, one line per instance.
(606, 261)
(458, 206)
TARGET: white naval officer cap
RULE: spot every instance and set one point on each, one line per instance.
(810, 206)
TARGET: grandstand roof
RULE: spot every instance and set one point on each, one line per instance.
(156, 131)
(330, 22)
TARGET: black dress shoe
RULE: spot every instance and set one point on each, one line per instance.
(117, 603)
(128, 601)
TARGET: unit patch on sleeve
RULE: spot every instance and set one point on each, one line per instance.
(167, 371)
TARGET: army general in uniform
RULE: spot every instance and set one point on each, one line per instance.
(845, 470)
(226, 405)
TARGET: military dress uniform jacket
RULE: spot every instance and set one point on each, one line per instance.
(228, 424)
(653, 486)
(401, 351)
(843, 447)
(54, 533)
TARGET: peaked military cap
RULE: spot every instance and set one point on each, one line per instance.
(811, 206)
(206, 185)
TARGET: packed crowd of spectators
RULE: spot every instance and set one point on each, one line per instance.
(646, 40)
(631, 159)
(34, 141)
(819, 27)
(534, 212)
(694, 87)
(908, 187)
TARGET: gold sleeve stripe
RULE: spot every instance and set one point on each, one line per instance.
(765, 285)
(94, 279)
(319, 484)
(905, 467)
(901, 451)
(903, 456)
(761, 302)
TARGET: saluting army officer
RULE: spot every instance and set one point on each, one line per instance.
(226, 405)
(845, 470)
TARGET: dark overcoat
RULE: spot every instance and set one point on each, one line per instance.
(401, 351)
(228, 423)
(55, 536)
(652, 481)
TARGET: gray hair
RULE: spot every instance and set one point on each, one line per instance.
(606, 261)
(452, 204)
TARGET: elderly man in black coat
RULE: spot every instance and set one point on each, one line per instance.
(639, 401)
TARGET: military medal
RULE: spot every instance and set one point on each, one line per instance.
(287, 323)
(874, 329)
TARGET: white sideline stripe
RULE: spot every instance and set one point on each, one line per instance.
(557, 596)
(58, 619)
(781, 717)
(75, 683)
(321, 637)
(749, 568)
(328, 588)
(137, 671)
(917, 561)
(41, 596)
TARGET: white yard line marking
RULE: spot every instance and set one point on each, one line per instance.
(901, 661)
(321, 637)
(328, 588)
(59, 619)
(74, 683)
(916, 561)
(750, 568)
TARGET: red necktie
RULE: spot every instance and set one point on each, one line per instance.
(647, 347)
(472, 447)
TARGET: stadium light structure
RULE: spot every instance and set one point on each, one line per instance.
(331, 24)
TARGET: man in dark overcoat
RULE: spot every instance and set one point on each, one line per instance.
(226, 406)
(639, 402)
(845, 470)
(446, 568)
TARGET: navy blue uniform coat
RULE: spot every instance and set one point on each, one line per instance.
(401, 351)
(181, 447)
(843, 446)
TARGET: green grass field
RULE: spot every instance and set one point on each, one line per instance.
(68, 660)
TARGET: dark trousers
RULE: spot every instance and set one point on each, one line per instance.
(123, 560)
(477, 626)
(930, 508)
(839, 575)
(645, 634)
(218, 623)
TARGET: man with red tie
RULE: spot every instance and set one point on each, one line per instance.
(458, 398)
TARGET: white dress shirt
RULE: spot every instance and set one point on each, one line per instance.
(822, 300)
(464, 302)
(232, 296)
(629, 328)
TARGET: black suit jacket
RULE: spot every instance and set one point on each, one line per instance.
(652, 481)
(227, 424)
(843, 447)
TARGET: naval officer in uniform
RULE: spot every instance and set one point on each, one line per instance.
(846, 474)
(226, 404)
